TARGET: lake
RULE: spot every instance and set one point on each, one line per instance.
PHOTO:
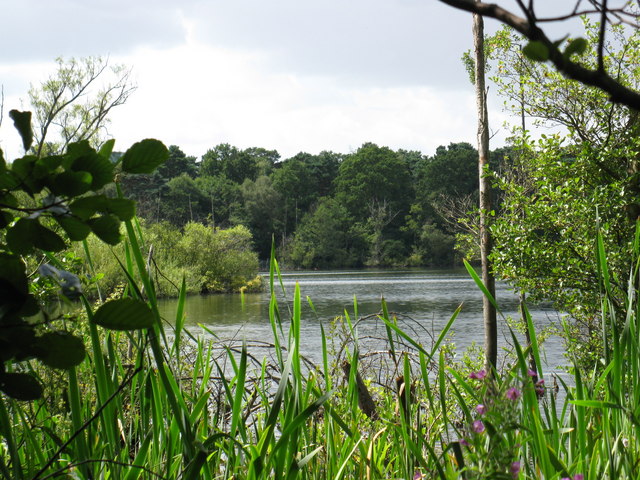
(423, 300)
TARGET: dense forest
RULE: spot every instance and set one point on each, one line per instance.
(371, 207)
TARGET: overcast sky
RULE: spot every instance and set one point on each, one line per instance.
(290, 75)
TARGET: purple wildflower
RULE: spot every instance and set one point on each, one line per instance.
(417, 475)
(515, 469)
(578, 476)
(513, 393)
(478, 426)
(481, 409)
(532, 373)
(479, 375)
(463, 442)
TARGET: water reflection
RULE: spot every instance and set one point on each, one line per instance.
(427, 296)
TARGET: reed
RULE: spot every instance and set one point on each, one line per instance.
(168, 403)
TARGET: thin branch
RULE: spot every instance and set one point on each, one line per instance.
(601, 37)
(618, 93)
(574, 14)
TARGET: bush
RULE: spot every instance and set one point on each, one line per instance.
(210, 260)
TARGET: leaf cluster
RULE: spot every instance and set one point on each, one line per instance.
(44, 203)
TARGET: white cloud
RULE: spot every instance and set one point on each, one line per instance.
(280, 76)
(196, 96)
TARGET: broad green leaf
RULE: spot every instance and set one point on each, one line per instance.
(20, 386)
(101, 169)
(12, 300)
(577, 46)
(75, 228)
(45, 166)
(7, 199)
(27, 233)
(30, 306)
(48, 240)
(8, 180)
(60, 350)
(144, 156)
(106, 149)
(76, 151)
(71, 184)
(86, 207)
(122, 208)
(13, 271)
(23, 170)
(537, 51)
(22, 122)
(106, 228)
(124, 314)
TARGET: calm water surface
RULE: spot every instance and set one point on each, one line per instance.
(427, 297)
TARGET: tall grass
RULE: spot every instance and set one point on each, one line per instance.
(165, 403)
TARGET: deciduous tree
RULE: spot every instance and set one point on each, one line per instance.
(74, 103)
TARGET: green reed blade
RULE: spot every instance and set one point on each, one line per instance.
(180, 317)
(239, 395)
(481, 286)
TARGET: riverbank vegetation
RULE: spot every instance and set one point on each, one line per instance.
(210, 260)
(371, 207)
(113, 390)
(260, 409)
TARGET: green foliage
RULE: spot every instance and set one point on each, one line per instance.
(373, 175)
(388, 196)
(123, 314)
(144, 157)
(434, 247)
(74, 103)
(183, 201)
(22, 122)
(540, 92)
(219, 410)
(452, 172)
(375, 186)
(294, 181)
(223, 260)
(301, 181)
(577, 46)
(328, 238)
(544, 235)
(177, 164)
(209, 259)
(222, 200)
(262, 212)
(42, 200)
(237, 165)
(537, 51)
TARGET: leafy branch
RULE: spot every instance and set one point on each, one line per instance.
(542, 48)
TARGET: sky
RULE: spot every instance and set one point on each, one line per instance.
(289, 75)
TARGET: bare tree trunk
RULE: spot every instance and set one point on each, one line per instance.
(488, 310)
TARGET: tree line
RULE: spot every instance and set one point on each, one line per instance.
(371, 207)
